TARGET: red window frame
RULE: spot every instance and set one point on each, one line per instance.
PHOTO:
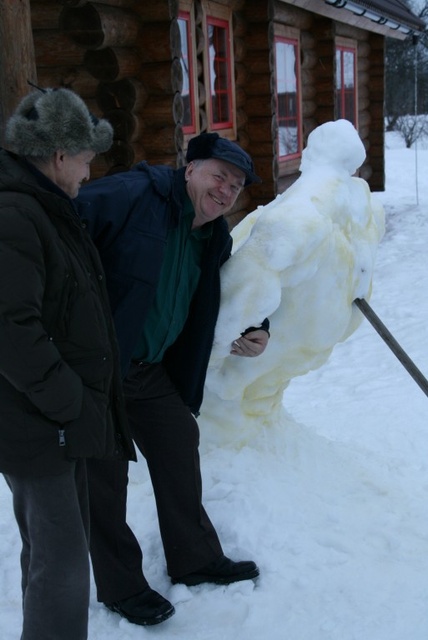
(346, 96)
(189, 124)
(221, 100)
(288, 104)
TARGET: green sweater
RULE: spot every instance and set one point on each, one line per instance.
(178, 280)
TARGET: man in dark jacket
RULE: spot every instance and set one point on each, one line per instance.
(60, 384)
(162, 239)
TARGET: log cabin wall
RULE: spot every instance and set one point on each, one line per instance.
(123, 58)
(132, 51)
(318, 36)
(254, 81)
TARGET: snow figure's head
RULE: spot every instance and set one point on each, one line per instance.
(336, 145)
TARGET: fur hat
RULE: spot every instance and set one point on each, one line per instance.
(210, 145)
(48, 120)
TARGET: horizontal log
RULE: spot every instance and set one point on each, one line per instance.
(257, 38)
(128, 93)
(168, 138)
(53, 48)
(309, 92)
(111, 3)
(350, 31)
(159, 41)
(325, 88)
(164, 77)
(239, 25)
(258, 105)
(45, 15)
(84, 83)
(256, 11)
(326, 100)
(309, 59)
(366, 172)
(363, 102)
(120, 153)
(239, 49)
(157, 11)
(377, 88)
(159, 110)
(243, 139)
(309, 108)
(326, 51)
(364, 118)
(364, 49)
(240, 97)
(168, 159)
(95, 26)
(258, 84)
(73, 3)
(241, 74)
(377, 140)
(111, 64)
(58, 77)
(260, 129)
(307, 40)
(75, 78)
(307, 77)
(260, 61)
(124, 123)
(99, 167)
(293, 16)
(324, 114)
(241, 118)
(364, 132)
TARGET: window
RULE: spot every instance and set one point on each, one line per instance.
(219, 74)
(346, 94)
(188, 69)
(287, 93)
(207, 65)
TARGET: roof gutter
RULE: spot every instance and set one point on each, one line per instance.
(374, 15)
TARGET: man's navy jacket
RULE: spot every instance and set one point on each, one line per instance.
(128, 216)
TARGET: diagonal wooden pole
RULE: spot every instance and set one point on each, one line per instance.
(392, 343)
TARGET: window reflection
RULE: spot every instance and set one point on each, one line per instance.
(287, 97)
(186, 66)
(345, 84)
(219, 73)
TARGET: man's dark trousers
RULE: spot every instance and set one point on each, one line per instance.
(53, 518)
(167, 434)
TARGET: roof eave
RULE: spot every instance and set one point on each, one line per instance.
(388, 19)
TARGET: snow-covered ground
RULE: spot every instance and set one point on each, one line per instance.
(332, 503)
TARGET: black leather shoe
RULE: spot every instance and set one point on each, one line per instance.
(221, 571)
(146, 608)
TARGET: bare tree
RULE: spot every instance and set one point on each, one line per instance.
(412, 128)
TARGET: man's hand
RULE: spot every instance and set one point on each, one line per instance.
(250, 345)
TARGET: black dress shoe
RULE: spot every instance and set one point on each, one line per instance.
(221, 571)
(146, 608)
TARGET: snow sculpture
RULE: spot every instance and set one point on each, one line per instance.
(300, 260)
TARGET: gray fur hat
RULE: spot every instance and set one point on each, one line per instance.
(49, 120)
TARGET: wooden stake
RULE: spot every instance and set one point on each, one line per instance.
(392, 343)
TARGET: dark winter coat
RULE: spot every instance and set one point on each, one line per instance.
(129, 215)
(60, 389)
